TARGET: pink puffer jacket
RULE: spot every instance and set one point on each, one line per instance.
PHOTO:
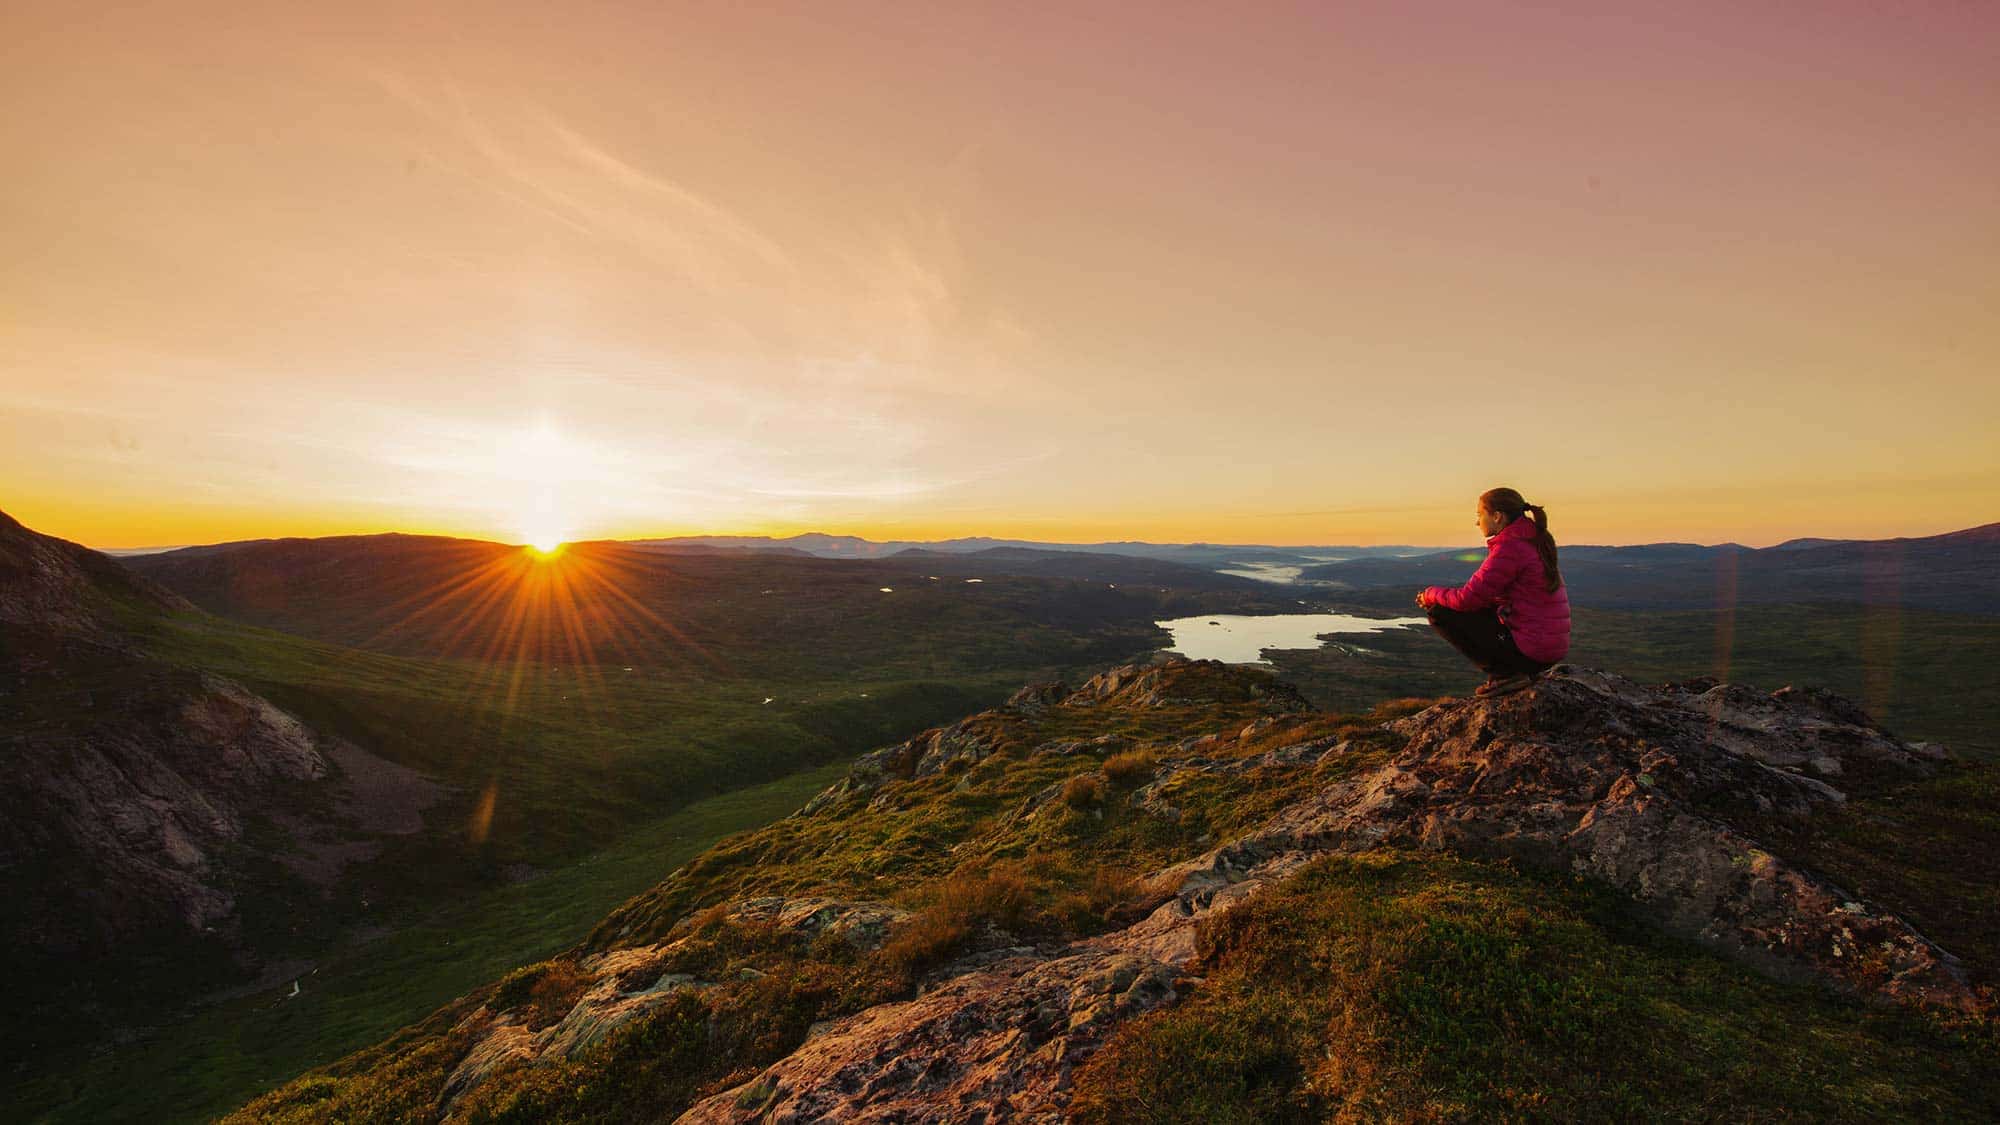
(1512, 578)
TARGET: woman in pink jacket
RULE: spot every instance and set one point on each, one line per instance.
(1512, 617)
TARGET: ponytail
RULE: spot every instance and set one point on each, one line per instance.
(1546, 545)
(1508, 502)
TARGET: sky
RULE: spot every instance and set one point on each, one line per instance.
(1290, 274)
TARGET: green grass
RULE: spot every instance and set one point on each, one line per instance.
(571, 759)
(1402, 987)
(947, 847)
(1381, 986)
(579, 761)
(574, 755)
(545, 761)
(223, 1055)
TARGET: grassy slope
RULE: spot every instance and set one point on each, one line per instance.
(573, 758)
(1927, 851)
(202, 1065)
(1418, 987)
(1424, 987)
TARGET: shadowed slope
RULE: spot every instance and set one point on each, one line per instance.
(142, 797)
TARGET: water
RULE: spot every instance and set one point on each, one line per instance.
(1242, 639)
(1266, 572)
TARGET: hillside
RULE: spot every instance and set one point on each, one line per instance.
(709, 614)
(157, 820)
(1178, 892)
(426, 740)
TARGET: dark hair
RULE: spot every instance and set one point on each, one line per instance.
(1508, 503)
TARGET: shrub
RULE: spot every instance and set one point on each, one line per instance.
(703, 921)
(1083, 790)
(962, 901)
(514, 987)
(554, 994)
(1397, 708)
(922, 940)
(540, 994)
(1121, 768)
(1091, 907)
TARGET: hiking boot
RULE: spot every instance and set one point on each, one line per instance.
(1503, 685)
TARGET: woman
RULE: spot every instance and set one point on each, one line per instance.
(1512, 617)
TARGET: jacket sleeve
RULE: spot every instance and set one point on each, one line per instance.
(1486, 585)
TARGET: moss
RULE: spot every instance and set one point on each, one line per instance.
(1389, 986)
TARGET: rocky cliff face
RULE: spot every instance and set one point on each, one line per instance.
(131, 782)
(118, 833)
(1662, 793)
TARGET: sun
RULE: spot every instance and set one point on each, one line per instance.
(548, 462)
(540, 528)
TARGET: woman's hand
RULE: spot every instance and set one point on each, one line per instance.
(1420, 599)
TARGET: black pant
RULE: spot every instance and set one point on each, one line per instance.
(1484, 641)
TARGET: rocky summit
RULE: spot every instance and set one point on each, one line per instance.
(1656, 791)
(936, 938)
(1587, 771)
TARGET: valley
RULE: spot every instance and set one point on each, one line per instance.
(571, 728)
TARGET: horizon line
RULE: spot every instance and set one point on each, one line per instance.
(155, 550)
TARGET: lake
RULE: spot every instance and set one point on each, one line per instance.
(1242, 639)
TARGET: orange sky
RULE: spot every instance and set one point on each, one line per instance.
(1155, 271)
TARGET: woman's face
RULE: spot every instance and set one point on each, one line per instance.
(1489, 522)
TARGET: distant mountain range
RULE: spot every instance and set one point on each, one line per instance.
(822, 545)
(1210, 555)
(1957, 571)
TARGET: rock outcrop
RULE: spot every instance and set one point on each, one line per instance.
(625, 984)
(995, 1044)
(1656, 791)
(47, 582)
(1166, 683)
